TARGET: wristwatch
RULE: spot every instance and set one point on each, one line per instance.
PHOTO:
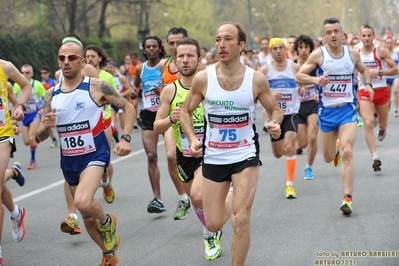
(380, 72)
(23, 105)
(126, 137)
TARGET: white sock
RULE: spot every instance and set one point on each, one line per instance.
(308, 166)
(183, 197)
(104, 184)
(374, 156)
(74, 216)
(206, 232)
(289, 183)
(15, 212)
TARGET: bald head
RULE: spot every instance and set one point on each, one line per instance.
(71, 48)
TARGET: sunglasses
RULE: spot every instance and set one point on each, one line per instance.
(44, 72)
(25, 72)
(70, 57)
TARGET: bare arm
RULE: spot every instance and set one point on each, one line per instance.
(57, 75)
(124, 81)
(363, 70)
(386, 56)
(11, 96)
(295, 69)
(193, 99)
(12, 72)
(303, 76)
(266, 98)
(264, 69)
(26, 88)
(89, 71)
(163, 121)
(48, 117)
(104, 93)
(137, 79)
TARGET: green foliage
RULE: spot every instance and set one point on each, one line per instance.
(26, 50)
(110, 46)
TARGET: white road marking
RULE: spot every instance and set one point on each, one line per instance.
(61, 182)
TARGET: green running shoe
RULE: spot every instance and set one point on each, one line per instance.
(182, 209)
(213, 249)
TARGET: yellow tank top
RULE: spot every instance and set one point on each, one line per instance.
(6, 129)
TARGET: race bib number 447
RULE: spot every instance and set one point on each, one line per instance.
(339, 86)
(76, 138)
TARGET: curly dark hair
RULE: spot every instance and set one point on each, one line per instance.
(162, 52)
(304, 39)
(100, 51)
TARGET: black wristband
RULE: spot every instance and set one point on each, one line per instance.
(368, 83)
(170, 119)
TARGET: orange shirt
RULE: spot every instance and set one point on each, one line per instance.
(132, 69)
(167, 77)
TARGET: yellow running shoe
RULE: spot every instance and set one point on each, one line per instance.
(338, 158)
(109, 259)
(346, 206)
(109, 235)
(290, 192)
(70, 225)
(108, 193)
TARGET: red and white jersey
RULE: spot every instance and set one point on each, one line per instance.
(372, 61)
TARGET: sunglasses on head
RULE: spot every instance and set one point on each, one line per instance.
(70, 57)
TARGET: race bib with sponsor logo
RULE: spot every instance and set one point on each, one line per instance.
(228, 131)
(76, 138)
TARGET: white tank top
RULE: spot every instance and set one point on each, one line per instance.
(372, 61)
(284, 81)
(395, 56)
(264, 60)
(340, 90)
(118, 83)
(79, 119)
(229, 119)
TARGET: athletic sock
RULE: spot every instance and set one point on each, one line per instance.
(184, 197)
(74, 216)
(106, 222)
(106, 183)
(200, 214)
(290, 165)
(33, 152)
(15, 212)
(207, 233)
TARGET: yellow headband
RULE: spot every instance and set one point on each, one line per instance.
(275, 41)
(71, 39)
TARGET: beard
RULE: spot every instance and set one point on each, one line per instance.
(188, 73)
(72, 74)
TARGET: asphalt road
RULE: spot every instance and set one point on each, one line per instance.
(309, 230)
